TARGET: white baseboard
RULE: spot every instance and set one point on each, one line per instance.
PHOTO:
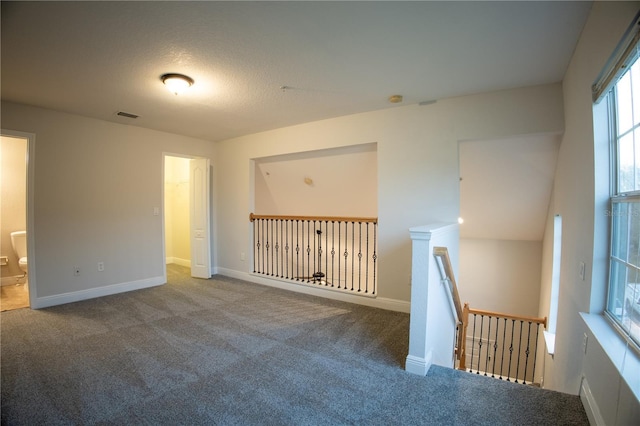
(375, 302)
(76, 296)
(416, 365)
(590, 405)
(179, 261)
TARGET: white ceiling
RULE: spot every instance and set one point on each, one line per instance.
(339, 58)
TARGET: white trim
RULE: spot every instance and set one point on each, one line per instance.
(31, 234)
(624, 358)
(589, 403)
(179, 261)
(76, 296)
(375, 302)
(417, 365)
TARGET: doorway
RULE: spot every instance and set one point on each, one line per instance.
(187, 239)
(15, 240)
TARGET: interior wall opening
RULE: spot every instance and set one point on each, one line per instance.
(14, 290)
(315, 218)
(176, 211)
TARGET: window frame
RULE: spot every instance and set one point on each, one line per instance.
(616, 196)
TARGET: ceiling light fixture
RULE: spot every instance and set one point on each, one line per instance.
(395, 99)
(176, 83)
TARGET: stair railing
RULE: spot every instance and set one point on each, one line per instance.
(338, 253)
(446, 273)
(503, 346)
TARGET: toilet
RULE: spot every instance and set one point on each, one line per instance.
(19, 243)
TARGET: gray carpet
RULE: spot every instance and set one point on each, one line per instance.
(228, 352)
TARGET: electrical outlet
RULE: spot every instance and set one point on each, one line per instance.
(76, 271)
(581, 270)
(100, 266)
(584, 342)
(242, 256)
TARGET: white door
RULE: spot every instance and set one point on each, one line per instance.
(199, 206)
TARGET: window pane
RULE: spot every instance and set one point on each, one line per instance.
(624, 299)
(633, 256)
(623, 109)
(617, 283)
(636, 157)
(631, 315)
(635, 90)
(626, 166)
(619, 230)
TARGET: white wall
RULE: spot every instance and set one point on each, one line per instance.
(336, 182)
(500, 275)
(418, 179)
(575, 200)
(96, 187)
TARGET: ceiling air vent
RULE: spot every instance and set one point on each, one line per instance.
(126, 114)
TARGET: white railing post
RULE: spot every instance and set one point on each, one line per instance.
(432, 324)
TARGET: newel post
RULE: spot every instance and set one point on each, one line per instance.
(432, 325)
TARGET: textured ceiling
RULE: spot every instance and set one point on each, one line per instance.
(338, 58)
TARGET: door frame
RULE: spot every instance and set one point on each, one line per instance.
(31, 236)
(164, 243)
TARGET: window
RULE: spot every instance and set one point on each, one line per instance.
(623, 98)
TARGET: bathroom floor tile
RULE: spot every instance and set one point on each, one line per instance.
(14, 297)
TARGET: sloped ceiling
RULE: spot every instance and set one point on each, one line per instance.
(95, 58)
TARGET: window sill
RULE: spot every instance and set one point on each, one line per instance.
(550, 340)
(624, 358)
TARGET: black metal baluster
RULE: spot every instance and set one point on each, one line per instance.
(268, 244)
(527, 352)
(255, 231)
(262, 249)
(504, 339)
(359, 255)
(375, 256)
(315, 236)
(513, 326)
(473, 343)
(326, 258)
(297, 250)
(286, 247)
(353, 250)
(480, 345)
(308, 250)
(333, 252)
(281, 262)
(339, 252)
(519, 348)
(366, 279)
(535, 355)
(495, 347)
(488, 358)
(346, 252)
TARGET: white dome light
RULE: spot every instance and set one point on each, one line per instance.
(176, 83)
